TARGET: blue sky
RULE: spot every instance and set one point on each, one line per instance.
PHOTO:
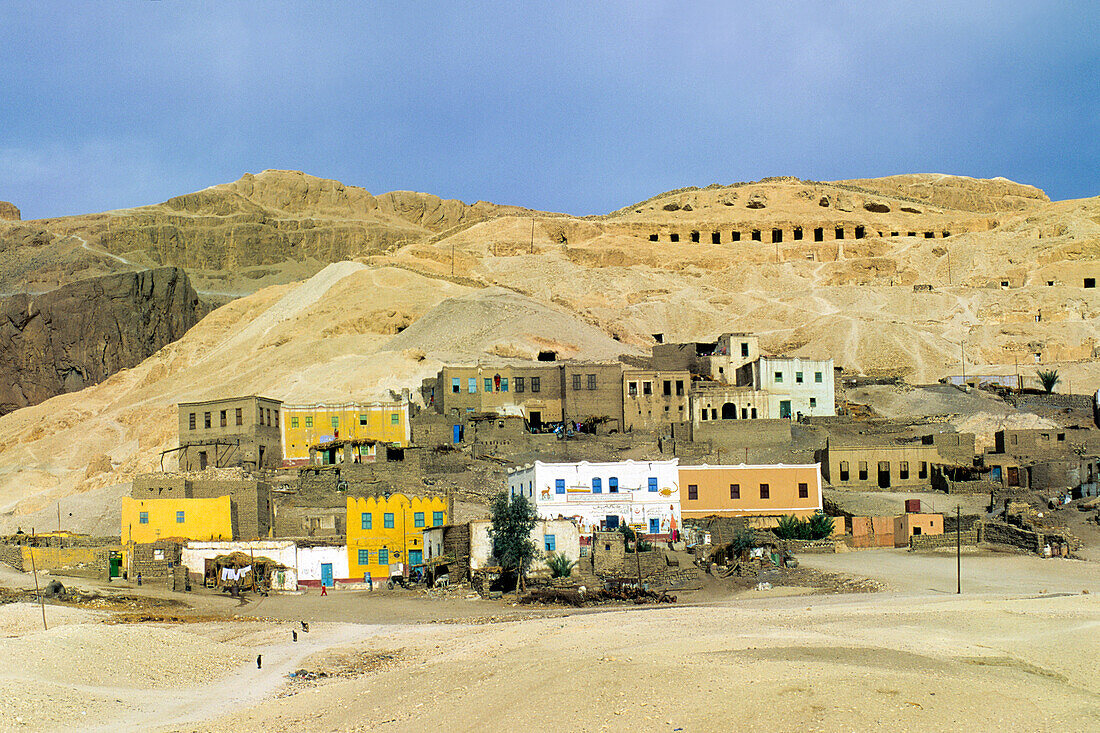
(574, 107)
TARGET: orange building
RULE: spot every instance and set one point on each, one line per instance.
(750, 491)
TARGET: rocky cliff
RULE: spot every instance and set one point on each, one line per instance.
(80, 334)
(9, 211)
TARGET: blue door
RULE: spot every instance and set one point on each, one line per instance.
(457, 433)
(326, 574)
(654, 526)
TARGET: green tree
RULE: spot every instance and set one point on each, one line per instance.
(744, 540)
(791, 527)
(1049, 378)
(560, 566)
(820, 526)
(511, 522)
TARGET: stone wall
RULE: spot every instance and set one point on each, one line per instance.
(920, 543)
(154, 561)
(1024, 539)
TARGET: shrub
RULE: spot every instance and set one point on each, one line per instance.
(1049, 379)
(560, 566)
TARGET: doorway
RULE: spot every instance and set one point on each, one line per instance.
(326, 574)
(536, 420)
(729, 411)
(884, 474)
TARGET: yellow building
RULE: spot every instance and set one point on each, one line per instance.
(148, 520)
(383, 530)
(306, 425)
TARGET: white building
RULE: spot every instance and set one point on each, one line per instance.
(644, 494)
(195, 554)
(795, 385)
(560, 536)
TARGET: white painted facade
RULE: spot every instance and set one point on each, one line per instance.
(311, 558)
(644, 494)
(195, 555)
(807, 385)
(566, 540)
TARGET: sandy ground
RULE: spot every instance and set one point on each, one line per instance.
(1016, 650)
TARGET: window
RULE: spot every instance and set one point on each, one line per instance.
(735, 491)
(765, 491)
(550, 542)
(778, 377)
(519, 384)
(471, 385)
(268, 416)
(191, 422)
(364, 557)
(240, 416)
(395, 418)
(592, 381)
(576, 381)
(437, 519)
(863, 470)
(798, 377)
(223, 417)
(813, 402)
(817, 377)
(384, 556)
(613, 485)
(667, 388)
(293, 422)
(418, 519)
(504, 384)
(693, 492)
(276, 418)
(680, 387)
(143, 518)
(488, 384)
(844, 470)
(803, 491)
(456, 385)
(366, 521)
(597, 486)
(536, 384)
(559, 486)
(922, 472)
(632, 389)
(206, 420)
(387, 520)
(903, 469)
(309, 421)
(744, 349)
(653, 483)
(647, 388)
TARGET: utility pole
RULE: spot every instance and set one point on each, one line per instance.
(962, 351)
(638, 556)
(37, 593)
(958, 550)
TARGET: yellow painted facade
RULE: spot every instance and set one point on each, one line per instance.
(383, 530)
(306, 425)
(148, 520)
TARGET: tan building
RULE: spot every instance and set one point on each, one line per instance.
(750, 491)
(905, 466)
(251, 509)
(531, 390)
(239, 431)
(718, 360)
(653, 398)
(593, 390)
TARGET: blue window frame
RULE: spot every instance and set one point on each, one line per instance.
(384, 556)
(653, 483)
(504, 384)
(471, 385)
(179, 517)
(597, 486)
(437, 519)
(143, 518)
(418, 519)
(366, 523)
(488, 384)
(364, 557)
(654, 526)
(613, 485)
(559, 486)
(387, 520)
(456, 384)
(551, 542)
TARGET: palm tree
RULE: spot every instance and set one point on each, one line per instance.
(1049, 378)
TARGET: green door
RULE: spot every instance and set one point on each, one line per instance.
(416, 557)
(116, 566)
(785, 409)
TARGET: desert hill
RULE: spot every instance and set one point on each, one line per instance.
(903, 276)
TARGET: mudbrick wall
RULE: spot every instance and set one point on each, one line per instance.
(80, 334)
(1007, 534)
(968, 538)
